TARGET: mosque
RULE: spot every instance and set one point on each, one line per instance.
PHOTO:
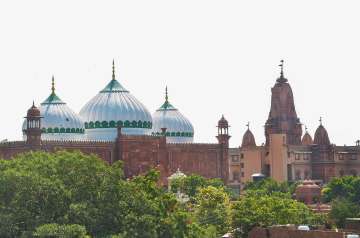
(116, 126)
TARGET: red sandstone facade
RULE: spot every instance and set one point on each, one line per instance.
(139, 153)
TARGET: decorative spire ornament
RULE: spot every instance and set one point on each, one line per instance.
(248, 125)
(166, 95)
(113, 70)
(53, 85)
(320, 121)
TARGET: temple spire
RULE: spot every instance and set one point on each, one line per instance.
(281, 79)
(113, 70)
(53, 85)
(281, 68)
(320, 121)
(248, 125)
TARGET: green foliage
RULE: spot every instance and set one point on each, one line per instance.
(192, 183)
(347, 187)
(60, 231)
(341, 209)
(267, 210)
(62, 188)
(270, 187)
(213, 209)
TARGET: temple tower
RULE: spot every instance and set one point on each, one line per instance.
(33, 126)
(282, 116)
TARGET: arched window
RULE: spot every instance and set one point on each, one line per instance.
(86, 125)
(341, 173)
(73, 130)
(298, 175)
(127, 123)
(134, 124)
(91, 124)
(140, 125)
(120, 123)
(68, 130)
(97, 124)
(62, 130)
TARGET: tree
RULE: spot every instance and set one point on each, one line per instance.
(267, 210)
(212, 208)
(347, 187)
(341, 209)
(60, 231)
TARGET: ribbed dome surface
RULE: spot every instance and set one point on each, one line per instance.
(248, 139)
(59, 122)
(321, 136)
(178, 128)
(112, 107)
(307, 140)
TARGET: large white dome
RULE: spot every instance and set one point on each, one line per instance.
(112, 107)
(178, 128)
(59, 122)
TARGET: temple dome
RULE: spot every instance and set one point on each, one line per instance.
(248, 139)
(307, 139)
(59, 122)
(178, 128)
(114, 107)
(321, 136)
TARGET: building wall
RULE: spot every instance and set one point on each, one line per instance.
(251, 162)
(277, 157)
(278, 232)
(140, 153)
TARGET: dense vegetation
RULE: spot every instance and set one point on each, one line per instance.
(72, 195)
(344, 195)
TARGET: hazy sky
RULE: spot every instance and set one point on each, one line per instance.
(217, 57)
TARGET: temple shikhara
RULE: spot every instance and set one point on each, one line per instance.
(115, 126)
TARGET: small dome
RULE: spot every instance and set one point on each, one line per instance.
(308, 192)
(177, 174)
(248, 139)
(223, 123)
(321, 136)
(307, 140)
(59, 122)
(178, 128)
(33, 111)
(115, 107)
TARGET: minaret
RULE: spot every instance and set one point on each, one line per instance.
(282, 116)
(223, 138)
(33, 126)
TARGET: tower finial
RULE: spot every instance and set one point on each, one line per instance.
(248, 125)
(281, 65)
(166, 95)
(320, 121)
(53, 85)
(33, 103)
(306, 129)
(113, 70)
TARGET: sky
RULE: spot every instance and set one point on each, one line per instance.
(216, 57)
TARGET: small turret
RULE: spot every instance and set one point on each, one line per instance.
(33, 126)
(223, 131)
(248, 138)
(307, 139)
(321, 136)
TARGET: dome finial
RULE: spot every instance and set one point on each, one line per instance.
(320, 121)
(166, 95)
(306, 129)
(248, 125)
(113, 70)
(53, 85)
